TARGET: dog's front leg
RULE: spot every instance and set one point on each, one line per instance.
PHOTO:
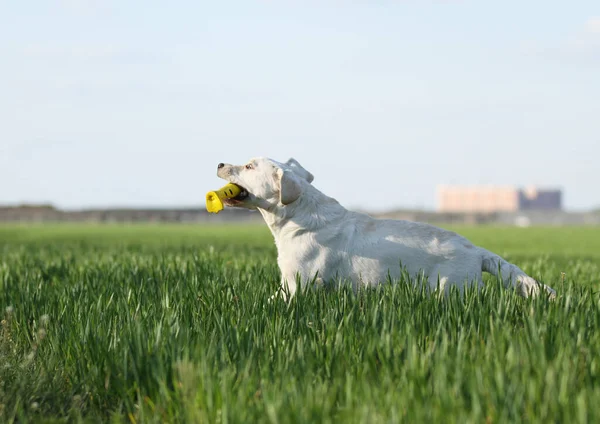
(280, 293)
(286, 291)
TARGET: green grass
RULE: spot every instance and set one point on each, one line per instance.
(172, 324)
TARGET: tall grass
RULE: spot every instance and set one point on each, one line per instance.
(173, 324)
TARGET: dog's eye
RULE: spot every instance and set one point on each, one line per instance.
(249, 166)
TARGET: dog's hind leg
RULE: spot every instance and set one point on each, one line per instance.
(512, 275)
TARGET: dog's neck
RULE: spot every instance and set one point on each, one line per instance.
(301, 216)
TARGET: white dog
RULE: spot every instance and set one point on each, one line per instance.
(319, 240)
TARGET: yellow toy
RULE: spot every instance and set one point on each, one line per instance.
(214, 199)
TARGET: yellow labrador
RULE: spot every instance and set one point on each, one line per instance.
(317, 238)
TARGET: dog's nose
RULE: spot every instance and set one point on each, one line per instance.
(221, 165)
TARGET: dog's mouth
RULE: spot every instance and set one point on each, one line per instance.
(233, 201)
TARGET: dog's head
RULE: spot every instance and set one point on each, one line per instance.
(265, 183)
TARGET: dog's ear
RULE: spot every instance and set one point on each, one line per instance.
(290, 188)
(299, 170)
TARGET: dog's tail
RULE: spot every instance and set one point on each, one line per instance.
(512, 275)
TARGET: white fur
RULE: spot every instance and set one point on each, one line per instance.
(319, 240)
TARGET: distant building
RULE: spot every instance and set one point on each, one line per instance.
(488, 199)
(535, 199)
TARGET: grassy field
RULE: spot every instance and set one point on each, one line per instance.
(172, 324)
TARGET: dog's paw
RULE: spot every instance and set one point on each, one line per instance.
(279, 295)
(528, 287)
(549, 291)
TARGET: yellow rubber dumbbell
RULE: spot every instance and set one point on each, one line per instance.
(214, 199)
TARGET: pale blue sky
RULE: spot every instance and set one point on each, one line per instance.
(133, 103)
